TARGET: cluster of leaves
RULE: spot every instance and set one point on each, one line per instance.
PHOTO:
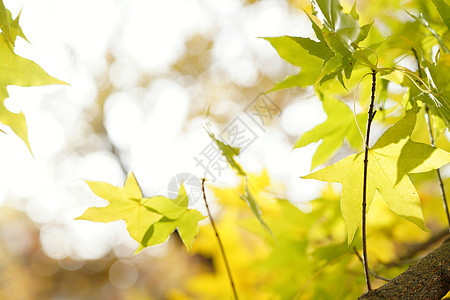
(309, 257)
(346, 51)
(343, 48)
(16, 70)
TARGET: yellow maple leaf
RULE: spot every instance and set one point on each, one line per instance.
(390, 160)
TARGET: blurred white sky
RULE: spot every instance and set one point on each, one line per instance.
(69, 40)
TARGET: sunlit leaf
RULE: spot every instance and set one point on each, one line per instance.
(319, 49)
(340, 125)
(390, 160)
(294, 53)
(444, 10)
(228, 151)
(251, 202)
(125, 203)
(186, 222)
(142, 215)
(16, 70)
(437, 94)
(420, 19)
(4, 22)
(345, 26)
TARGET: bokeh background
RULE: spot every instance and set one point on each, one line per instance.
(142, 75)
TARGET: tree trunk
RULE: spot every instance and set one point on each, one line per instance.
(429, 278)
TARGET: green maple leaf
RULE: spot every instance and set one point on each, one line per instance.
(390, 160)
(16, 70)
(10, 27)
(125, 203)
(345, 26)
(293, 52)
(332, 56)
(340, 125)
(439, 80)
(444, 10)
(160, 231)
(141, 214)
(186, 222)
(4, 22)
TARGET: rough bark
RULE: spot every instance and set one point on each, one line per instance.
(429, 278)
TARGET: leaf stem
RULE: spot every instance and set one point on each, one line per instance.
(371, 272)
(438, 172)
(366, 162)
(430, 132)
(222, 250)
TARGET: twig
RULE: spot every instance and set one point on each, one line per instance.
(438, 172)
(430, 132)
(371, 272)
(366, 162)
(222, 250)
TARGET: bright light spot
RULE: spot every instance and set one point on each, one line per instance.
(153, 34)
(44, 207)
(122, 275)
(93, 239)
(71, 264)
(124, 76)
(302, 115)
(46, 134)
(55, 241)
(122, 119)
(101, 166)
(245, 73)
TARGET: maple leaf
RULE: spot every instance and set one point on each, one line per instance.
(293, 52)
(125, 203)
(340, 125)
(185, 220)
(141, 214)
(16, 70)
(392, 157)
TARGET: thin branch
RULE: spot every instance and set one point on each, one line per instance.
(371, 272)
(438, 172)
(222, 250)
(366, 162)
(430, 132)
